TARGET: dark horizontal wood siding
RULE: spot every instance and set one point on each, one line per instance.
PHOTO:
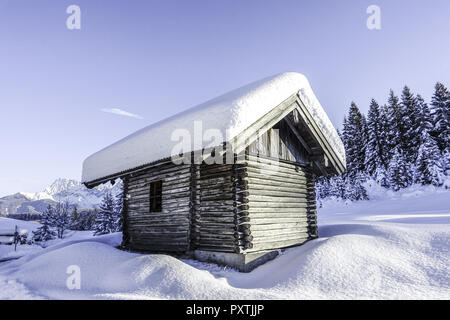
(165, 231)
(281, 203)
(215, 215)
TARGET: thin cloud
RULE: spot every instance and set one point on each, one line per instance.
(121, 112)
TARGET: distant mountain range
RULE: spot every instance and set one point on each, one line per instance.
(60, 190)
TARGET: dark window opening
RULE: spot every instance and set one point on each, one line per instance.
(156, 196)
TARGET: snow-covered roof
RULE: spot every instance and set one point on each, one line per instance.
(230, 113)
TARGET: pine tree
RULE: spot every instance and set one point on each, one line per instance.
(88, 219)
(384, 119)
(424, 120)
(62, 218)
(396, 128)
(354, 188)
(105, 221)
(45, 231)
(401, 143)
(381, 177)
(375, 159)
(118, 209)
(322, 188)
(410, 109)
(399, 146)
(344, 135)
(400, 173)
(429, 166)
(75, 219)
(337, 187)
(445, 160)
(440, 103)
(354, 140)
(92, 218)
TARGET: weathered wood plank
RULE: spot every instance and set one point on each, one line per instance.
(277, 244)
(278, 168)
(160, 231)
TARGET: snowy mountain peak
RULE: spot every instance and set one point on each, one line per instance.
(61, 190)
(60, 185)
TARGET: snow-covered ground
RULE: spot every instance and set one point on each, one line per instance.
(396, 246)
(8, 252)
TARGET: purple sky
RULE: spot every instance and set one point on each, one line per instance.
(156, 58)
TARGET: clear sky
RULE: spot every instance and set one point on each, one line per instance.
(156, 58)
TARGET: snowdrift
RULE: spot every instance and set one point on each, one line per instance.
(371, 253)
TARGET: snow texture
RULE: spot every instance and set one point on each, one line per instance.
(230, 113)
(7, 251)
(394, 247)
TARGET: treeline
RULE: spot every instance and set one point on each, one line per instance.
(25, 216)
(400, 143)
(63, 216)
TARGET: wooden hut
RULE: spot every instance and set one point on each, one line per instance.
(234, 200)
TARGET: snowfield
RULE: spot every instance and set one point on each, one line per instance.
(393, 247)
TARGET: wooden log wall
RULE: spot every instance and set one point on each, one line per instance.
(216, 223)
(281, 205)
(165, 231)
(257, 203)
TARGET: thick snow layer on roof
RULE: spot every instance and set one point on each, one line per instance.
(230, 113)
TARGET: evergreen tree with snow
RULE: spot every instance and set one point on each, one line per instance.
(410, 109)
(400, 143)
(118, 209)
(424, 120)
(398, 135)
(91, 219)
(344, 135)
(400, 172)
(354, 135)
(429, 166)
(105, 221)
(62, 218)
(440, 108)
(375, 158)
(75, 219)
(88, 219)
(45, 232)
(322, 188)
(445, 161)
(396, 130)
(354, 188)
(381, 177)
(337, 187)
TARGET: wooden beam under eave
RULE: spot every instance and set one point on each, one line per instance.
(299, 137)
(321, 168)
(308, 121)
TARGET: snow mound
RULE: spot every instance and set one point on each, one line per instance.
(23, 226)
(390, 248)
(107, 272)
(351, 261)
(230, 113)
